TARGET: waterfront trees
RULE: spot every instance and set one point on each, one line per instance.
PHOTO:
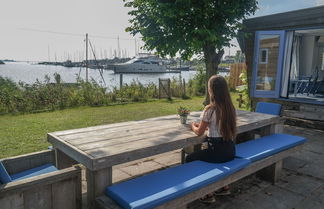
(189, 27)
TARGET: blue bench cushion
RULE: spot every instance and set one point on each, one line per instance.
(4, 176)
(47, 168)
(266, 146)
(268, 108)
(154, 189)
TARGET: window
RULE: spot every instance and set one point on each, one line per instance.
(264, 56)
(268, 60)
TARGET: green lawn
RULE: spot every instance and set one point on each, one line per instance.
(27, 133)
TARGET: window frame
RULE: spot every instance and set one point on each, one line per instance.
(267, 55)
(264, 93)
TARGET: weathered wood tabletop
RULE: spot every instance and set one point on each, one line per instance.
(101, 147)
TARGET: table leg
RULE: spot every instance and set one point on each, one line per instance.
(63, 160)
(97, 182)
(189, 150)
(272, 172)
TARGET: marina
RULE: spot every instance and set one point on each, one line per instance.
(30, 72)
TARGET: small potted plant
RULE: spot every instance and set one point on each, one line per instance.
(183, 112)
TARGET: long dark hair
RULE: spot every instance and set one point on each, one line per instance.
(221, 102)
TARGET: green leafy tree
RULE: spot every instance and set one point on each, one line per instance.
(189, 27)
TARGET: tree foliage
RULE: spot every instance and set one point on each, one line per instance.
(187, 27)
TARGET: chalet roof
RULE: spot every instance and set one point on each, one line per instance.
(310, 17)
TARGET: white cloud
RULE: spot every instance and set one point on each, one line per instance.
(319, 2)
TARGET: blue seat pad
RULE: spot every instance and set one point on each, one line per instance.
(154, 189)
(268, 108)
(4, 176)
(47, 168)
(266, 146)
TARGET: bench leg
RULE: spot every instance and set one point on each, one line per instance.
(97, 181)
(271, 173)
(63, 160)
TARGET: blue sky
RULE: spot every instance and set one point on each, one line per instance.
(97, 17)
(277, 6)
(268, 7)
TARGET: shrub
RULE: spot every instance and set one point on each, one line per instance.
(197, 85)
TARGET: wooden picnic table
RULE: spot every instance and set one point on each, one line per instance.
(99, 148)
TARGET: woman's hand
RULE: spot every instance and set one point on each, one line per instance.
(199, 128)
(193, 125)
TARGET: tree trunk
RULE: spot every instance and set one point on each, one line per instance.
(212, 60)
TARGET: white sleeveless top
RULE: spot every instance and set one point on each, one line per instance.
(209, 117)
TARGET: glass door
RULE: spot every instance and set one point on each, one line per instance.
(268, 58)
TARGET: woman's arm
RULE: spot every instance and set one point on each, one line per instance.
(199, 128)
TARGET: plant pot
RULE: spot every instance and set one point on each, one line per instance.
(183, 119)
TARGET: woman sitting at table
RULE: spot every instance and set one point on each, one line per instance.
(219, 118)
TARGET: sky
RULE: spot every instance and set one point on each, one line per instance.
(42, 30)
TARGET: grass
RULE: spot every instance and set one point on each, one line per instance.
(22, 134)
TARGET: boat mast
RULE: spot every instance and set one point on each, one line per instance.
(86, 57)
(118, 52)
(135, 48)
(48, 53)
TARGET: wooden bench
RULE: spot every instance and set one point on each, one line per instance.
(264, 154)
(60, 189)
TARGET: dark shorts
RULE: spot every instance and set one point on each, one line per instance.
(218, 151)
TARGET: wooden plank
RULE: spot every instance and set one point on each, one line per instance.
(24, 162)
(104, 202)
(32, 182)
(147, 136)
(71, 151)
(154, 142)
(109, 126)
(64, 195)
(93, 128)
(97, 182)
(63, 160)
(312, 108)
(319, 125)
(15, 201)
(38, 198)
(123, 133)
(139, 152)
(78, 190)
(257, 124)
(305, 115)
(111, 131)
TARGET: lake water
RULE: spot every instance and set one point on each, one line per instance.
(28, 73)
